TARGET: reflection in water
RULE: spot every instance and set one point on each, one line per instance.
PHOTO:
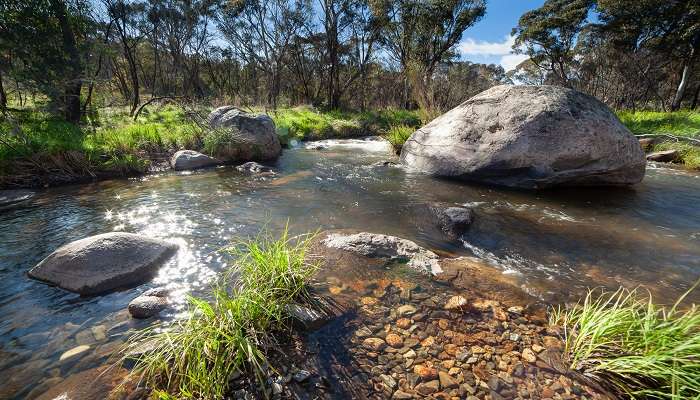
(555, 244)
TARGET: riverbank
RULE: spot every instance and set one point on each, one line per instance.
(45, 151)
(394, 332)
(677, 132)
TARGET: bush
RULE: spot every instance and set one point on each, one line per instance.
(231, 332)
(633, 346)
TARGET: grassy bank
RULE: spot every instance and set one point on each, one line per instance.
(679, 123)
(232, 332)
(305, 123)
(111, 144)
(632, 346)
(42, 149)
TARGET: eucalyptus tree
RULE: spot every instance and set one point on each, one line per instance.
(44, 44)
(667, 27)
(548, 35)
(261, 32)
(420, 34)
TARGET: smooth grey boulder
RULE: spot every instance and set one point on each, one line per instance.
(528, 137)
(190, 159)
(13, 196)
(102, 263)
(242, 136)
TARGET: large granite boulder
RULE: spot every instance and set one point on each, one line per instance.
(190, 159)
(241, 136)
(528, 137)
(102, 263)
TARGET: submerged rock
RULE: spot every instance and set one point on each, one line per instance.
(664, 156)
(528, 137)
(305, 317)
(147, 306)
(453, 221)
(190, 159)
(102, 263)
(242, 136)
(252, 167)
(10, 197)
(374, 245)
(106, 382)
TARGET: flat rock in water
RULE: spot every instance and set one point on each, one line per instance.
(374, 245)
(190, 159)
(664, 156)
(528, 137)
(147, 306)
(102, 263)
(9, 197)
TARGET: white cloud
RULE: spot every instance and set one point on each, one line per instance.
(504, 49)
(510, 61)
(470, 46)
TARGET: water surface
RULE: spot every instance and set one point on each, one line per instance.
(556, 243)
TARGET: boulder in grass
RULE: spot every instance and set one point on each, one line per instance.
(528, 137)
(103, 263)
(239, 136)
(190, 159)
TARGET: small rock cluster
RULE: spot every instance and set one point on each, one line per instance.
(406, 342)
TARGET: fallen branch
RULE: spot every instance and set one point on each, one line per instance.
(152, 99)
(671, 137)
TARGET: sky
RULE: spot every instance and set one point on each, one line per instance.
(489, 40)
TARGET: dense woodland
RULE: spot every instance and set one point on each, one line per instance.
(80, 55)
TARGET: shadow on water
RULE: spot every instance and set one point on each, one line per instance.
(554, 243)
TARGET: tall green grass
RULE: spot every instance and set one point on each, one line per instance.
(633, 346)
(397, 135)
(305, 123)
(113, 133)
(231, 332)
(681, 123)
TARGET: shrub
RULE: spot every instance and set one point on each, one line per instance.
(230, 333)
(633, 346)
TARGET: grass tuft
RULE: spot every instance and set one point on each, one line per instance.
(232, 332)
(633, 346)
(398, 135)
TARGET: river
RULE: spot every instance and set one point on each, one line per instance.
(555, 244)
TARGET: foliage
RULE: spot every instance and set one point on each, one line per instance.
(637, 348)
(548, 34)
(115, 139)
(398, 135)
(230, 333)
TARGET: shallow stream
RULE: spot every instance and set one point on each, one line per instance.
(554, 243)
